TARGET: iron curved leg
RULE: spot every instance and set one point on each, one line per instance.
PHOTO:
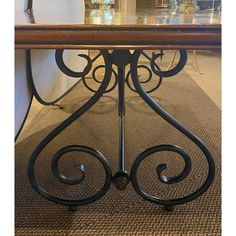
(73, 148)
(121, 58)
(166, 179)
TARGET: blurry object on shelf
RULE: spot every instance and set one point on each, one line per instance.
(188, 6)
(103, 4)
(173, 4)
(88, 4)
(209, 4)
(161, 4)
(102, 17)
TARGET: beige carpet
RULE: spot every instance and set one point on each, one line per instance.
(122, 213)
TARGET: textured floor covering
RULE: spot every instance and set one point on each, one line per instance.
(123, 213)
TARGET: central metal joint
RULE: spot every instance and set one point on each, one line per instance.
(121, 58)
(121, 180)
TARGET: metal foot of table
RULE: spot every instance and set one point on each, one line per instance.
(122, 59)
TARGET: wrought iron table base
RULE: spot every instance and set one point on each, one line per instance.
(121, 59)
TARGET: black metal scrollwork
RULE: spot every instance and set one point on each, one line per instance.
(77, 148)
(161, 112)
(81, 168)
(155, 68)
(66, 70)
(84, 79)
(145, 81)
(121, 58)
(150, 75)
(55, 163)
(173, 71)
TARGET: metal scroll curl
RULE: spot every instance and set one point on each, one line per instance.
(66, 70)
(73, 148)
(168, 179)
(155, 69)
(95, 79)
(145, 81)
(183, 56)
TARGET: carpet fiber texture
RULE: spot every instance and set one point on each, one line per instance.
(122, 213)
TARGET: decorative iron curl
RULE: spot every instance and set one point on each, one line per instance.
(165, 179)
(149, 78)
(155, 68)
(99, 82)
(56, 158)
(145, 81)
(160, 168)
(81, 168)
(54, 133)
(173, 71)
(66, 70)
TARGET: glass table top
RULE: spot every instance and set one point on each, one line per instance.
(116, 17)
(122, 27)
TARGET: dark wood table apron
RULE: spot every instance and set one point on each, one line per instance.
(120, 42)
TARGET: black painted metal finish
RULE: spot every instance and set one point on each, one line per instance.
(92, 152)
(122, 58)
(121, 113)
(66, 70)
(161, 112)
(121, 178)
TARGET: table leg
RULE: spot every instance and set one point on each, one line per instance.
(167, 179)
(122, 58)
(73, 148)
